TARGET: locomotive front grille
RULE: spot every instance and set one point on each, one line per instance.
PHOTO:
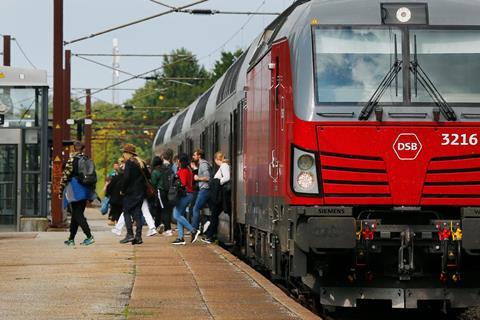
(453, 178)
(354, 176)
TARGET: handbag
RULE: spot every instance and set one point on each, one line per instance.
(105, 205)
(150, 191)
(227, 186)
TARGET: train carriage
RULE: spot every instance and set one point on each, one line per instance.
(353, 128)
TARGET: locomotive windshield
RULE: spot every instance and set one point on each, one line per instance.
(351, 62)
(451, 59)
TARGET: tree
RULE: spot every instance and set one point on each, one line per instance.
(222, 65)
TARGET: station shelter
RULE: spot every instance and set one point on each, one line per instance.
(24, 150)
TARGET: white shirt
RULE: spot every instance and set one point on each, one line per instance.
(223, 173)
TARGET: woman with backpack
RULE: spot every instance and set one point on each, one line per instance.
(77, 187)
(186, 179)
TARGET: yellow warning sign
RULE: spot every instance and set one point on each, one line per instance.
(2, 75)
(57, 159)
(58, 126)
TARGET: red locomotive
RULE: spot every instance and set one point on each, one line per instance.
(353, 130)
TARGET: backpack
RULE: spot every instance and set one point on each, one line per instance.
(176, 191)
(86, 173)
(167, 178)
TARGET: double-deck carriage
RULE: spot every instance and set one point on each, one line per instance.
(352, 127)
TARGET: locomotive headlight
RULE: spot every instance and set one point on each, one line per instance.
(305, 162)
(305, 180)
(304, 172)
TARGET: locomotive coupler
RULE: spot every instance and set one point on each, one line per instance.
(405, 255)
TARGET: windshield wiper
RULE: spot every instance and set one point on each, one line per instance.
(420, 76)
(386, 82)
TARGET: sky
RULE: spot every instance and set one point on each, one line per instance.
(30, 22)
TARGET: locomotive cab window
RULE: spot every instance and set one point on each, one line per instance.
(451, 59)
(351, 62)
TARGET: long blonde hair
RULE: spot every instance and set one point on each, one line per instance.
(220, 156)
(138, 161)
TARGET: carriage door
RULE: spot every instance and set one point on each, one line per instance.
(10, 159)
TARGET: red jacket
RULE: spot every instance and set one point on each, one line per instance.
(186, 177)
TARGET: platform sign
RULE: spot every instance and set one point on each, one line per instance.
(407, 146)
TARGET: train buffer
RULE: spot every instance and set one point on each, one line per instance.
(41, 278)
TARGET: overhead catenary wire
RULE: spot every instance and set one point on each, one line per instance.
(127, 55)
(23, 53)
(120, 89)
(213, 12)
(174, 80)
(134, 22)
(234, 34)
(136, 77)
(104, 65)
(163, 4)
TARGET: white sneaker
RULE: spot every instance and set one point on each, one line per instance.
(205, 226)
(168, 233)
(116, 231)
(151, 232)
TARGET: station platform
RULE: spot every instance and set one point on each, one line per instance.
(41, 278)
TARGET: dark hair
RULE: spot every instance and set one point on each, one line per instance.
(200, 152)
(184, 160)
(78, 145)
(168, 154)
(157, 161)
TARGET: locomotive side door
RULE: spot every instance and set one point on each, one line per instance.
(278, 129)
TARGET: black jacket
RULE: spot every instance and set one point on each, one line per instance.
(133, 187)
(114, 188)
(216, 192)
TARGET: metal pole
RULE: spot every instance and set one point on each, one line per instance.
(44, 155)
(67, 96)
(88, 127)
(57, 212)
(6, 50)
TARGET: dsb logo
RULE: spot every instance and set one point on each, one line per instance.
(407, 146)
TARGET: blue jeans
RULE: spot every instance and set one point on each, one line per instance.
(202, 199)
(178, 213)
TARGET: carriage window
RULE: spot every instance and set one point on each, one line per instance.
(350, 63)
(451, 59)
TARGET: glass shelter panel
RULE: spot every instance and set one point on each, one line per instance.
(21, 106)
(31, 180)
(451, 59)
(350, 63)
(8, 184)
